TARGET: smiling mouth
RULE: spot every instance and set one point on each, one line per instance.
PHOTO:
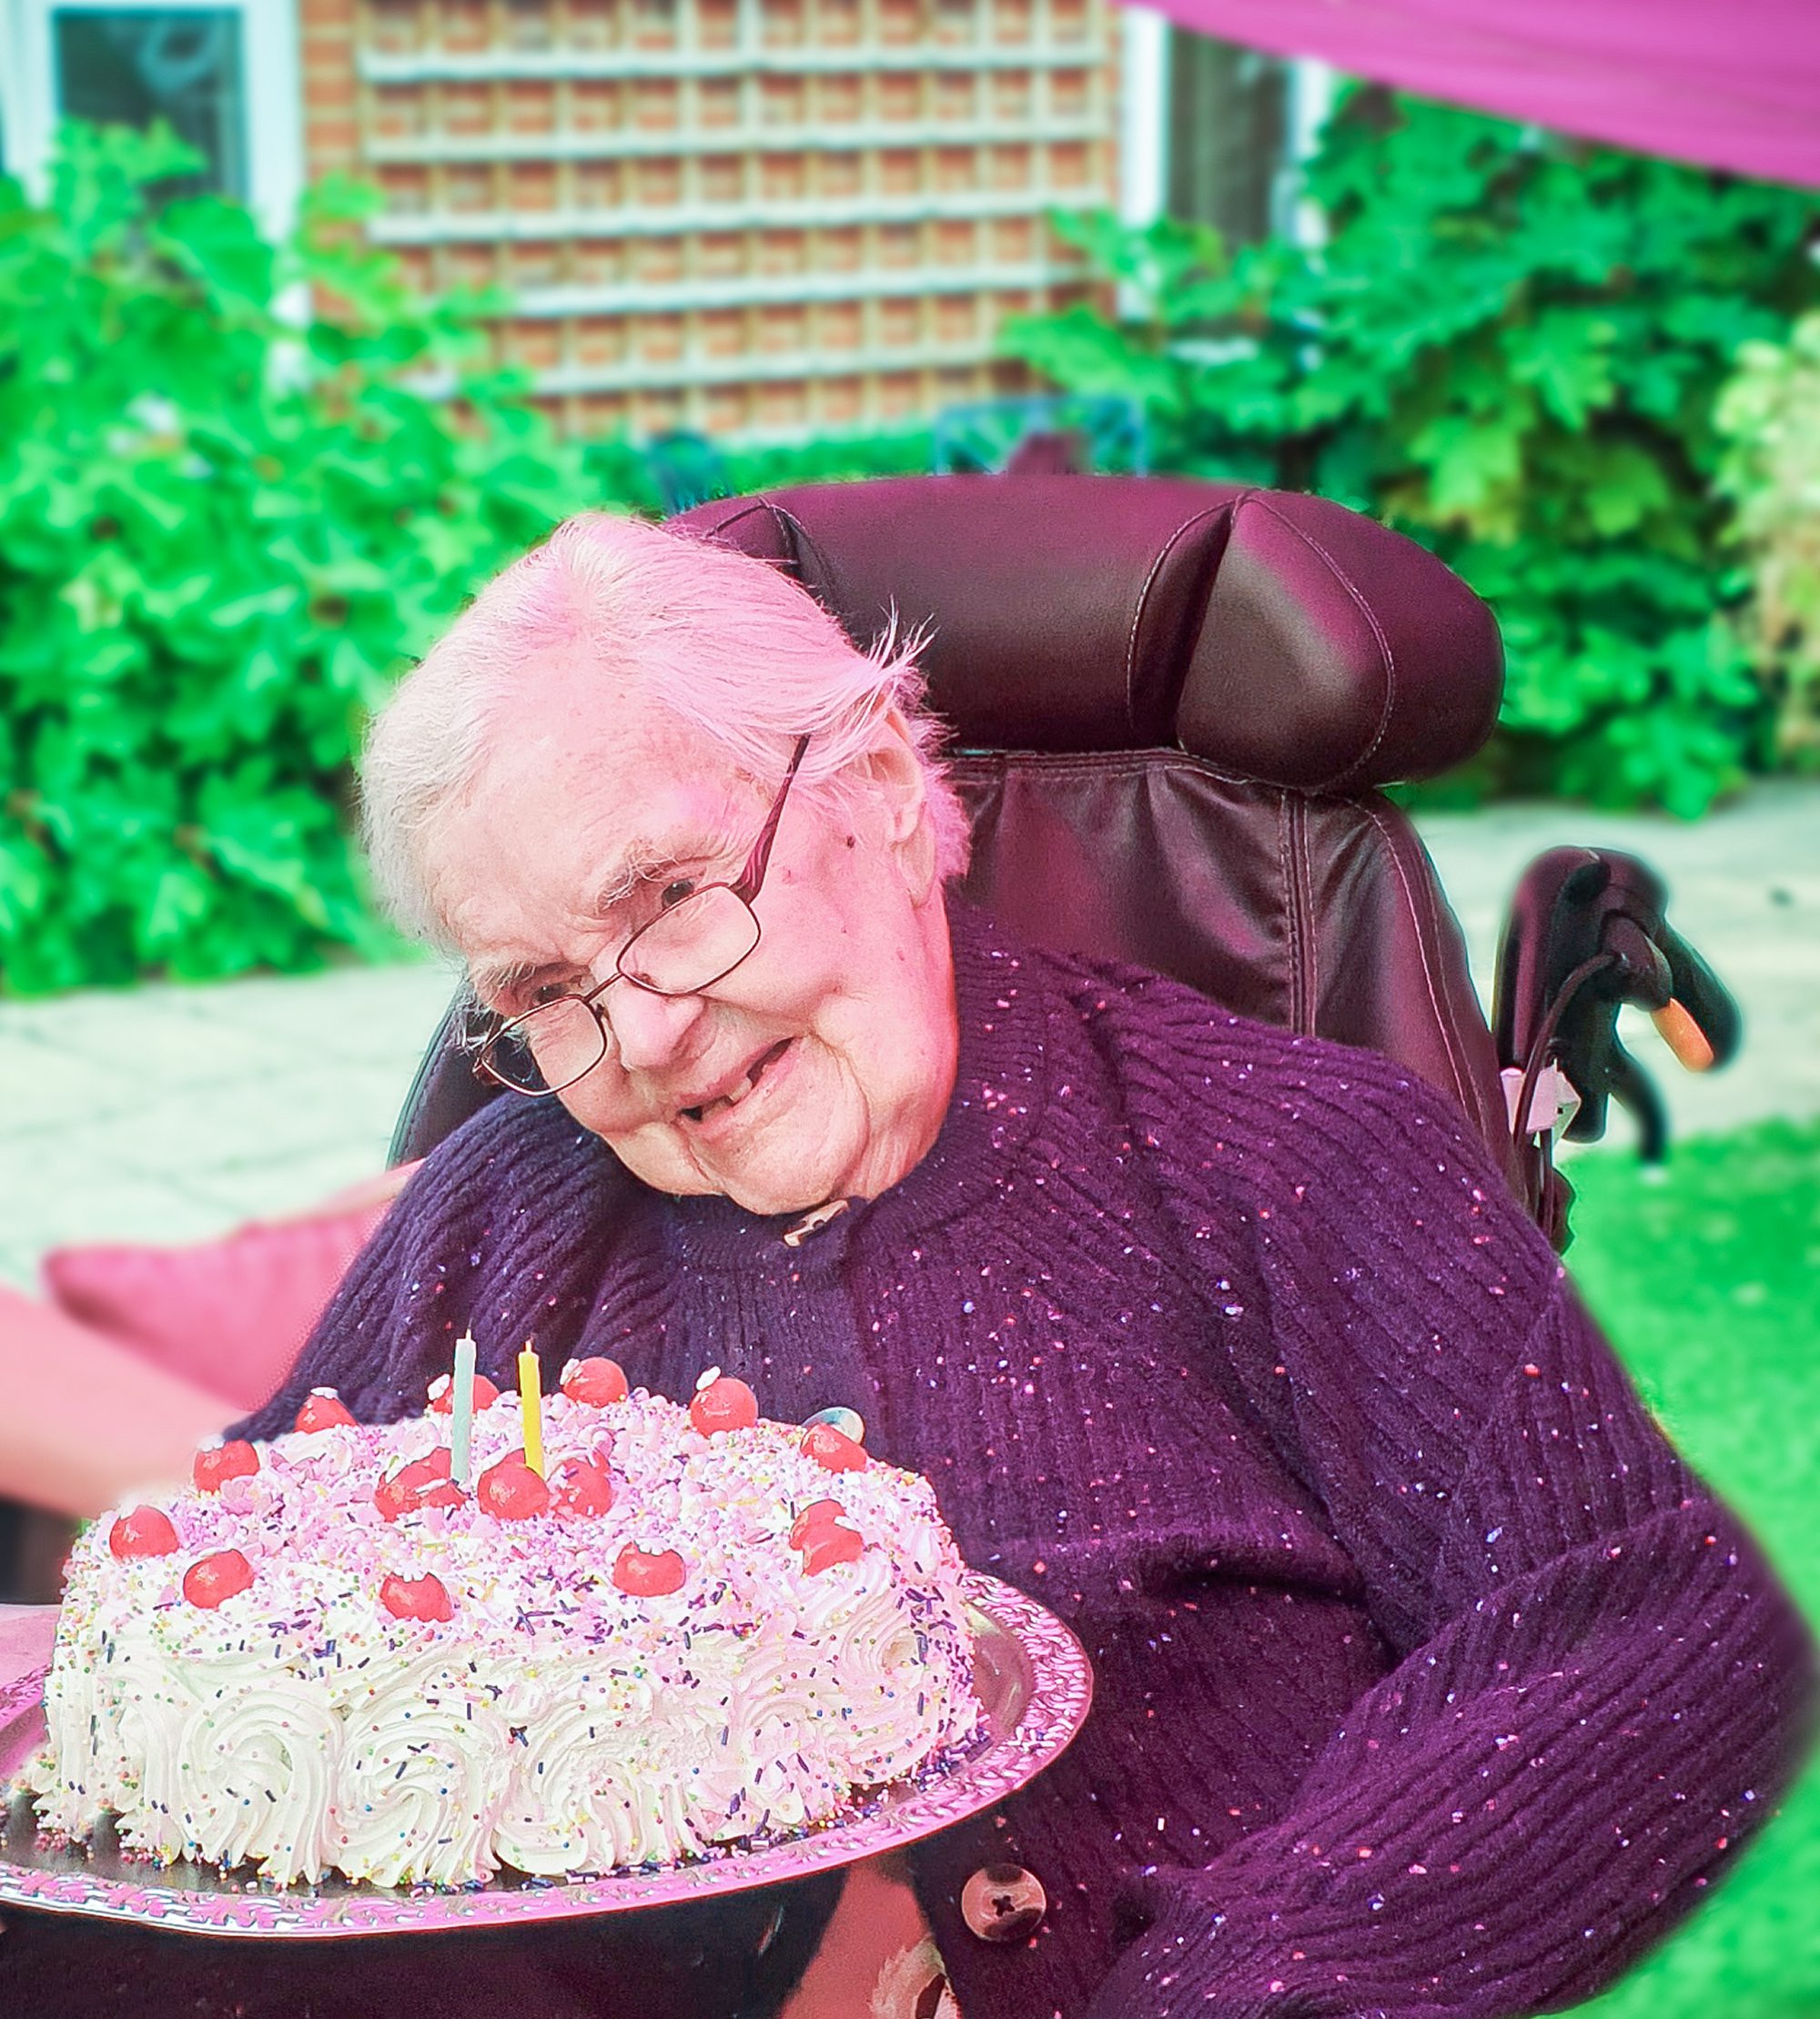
(756, 1072)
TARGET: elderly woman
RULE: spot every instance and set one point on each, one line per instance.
(1428, 1676)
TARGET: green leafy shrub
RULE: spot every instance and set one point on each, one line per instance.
(1770, 417)
(617, 468)
(888, 452)
(1509, 346)
(225, 518)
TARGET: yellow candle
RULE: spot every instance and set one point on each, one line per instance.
(530, 1399)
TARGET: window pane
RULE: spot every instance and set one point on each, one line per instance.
(182, 66)
(1228, 141)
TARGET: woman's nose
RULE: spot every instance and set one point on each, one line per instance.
(649, 1029)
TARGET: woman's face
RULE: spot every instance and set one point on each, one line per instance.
(821, 1066)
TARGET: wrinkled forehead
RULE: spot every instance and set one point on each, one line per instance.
(569, 810)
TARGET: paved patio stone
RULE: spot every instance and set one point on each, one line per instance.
(172, 1113)
(169, 1114)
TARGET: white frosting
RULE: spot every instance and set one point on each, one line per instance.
(554, 1723)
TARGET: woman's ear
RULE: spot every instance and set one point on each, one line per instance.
(894, 770)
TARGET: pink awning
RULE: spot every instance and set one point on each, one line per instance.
(1733, 83)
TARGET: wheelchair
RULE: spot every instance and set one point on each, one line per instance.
(1175, 705)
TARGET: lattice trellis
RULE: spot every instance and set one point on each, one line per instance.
(759, 216)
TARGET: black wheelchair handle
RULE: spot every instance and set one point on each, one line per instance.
(1588, 935)
(1638, 1094)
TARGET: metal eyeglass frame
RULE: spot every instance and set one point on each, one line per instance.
(745, 886)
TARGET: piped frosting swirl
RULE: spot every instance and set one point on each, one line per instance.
(555, 1722)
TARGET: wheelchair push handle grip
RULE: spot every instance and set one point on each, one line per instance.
(1700, 1023)
(1676, 1027)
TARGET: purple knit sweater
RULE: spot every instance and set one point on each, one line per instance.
(1429, 1679)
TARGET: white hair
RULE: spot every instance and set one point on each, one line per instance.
(724, 641)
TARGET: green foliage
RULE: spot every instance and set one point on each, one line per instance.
(225, 518)
(835, 458)
(1509, 346)
(617, 468)
(1770, 417)
(1721, 1342)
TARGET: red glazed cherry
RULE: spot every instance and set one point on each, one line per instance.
(816, 1515)
(582, 1488)
(646, 1574)
(392, 1498)
(723, 1405)
(215, 1577)
(323, 1409)
(213, 1469)
(830, 1545)
(424, 1598)
(423, 1483)
(443, 1395)
(596, 1380)
(143, 1532)
(512, 1492)
(833, 1450)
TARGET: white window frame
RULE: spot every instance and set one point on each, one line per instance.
(1313, 89)
(1144, 115)
(1144, 126)
(271, 93)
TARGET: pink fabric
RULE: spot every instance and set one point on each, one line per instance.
(1733, 83)
(26, 1634)
(230, 1314)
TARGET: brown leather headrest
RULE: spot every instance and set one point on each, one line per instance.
(1280, 636)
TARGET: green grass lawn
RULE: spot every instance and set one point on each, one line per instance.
(1706, 1275)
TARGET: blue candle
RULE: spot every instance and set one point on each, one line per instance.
(461, 1407)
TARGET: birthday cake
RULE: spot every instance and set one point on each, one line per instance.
(686, 1631)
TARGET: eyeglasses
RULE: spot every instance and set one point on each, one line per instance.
(687, 947)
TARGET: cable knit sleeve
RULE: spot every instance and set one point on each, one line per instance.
(499, 1232)
(1598, 1687)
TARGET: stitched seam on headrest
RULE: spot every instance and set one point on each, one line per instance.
(1169, 545)
(803, 541)
(1465, 1090)
(1384, 652)
(796, 535)
(1299, 828)
(1292, 916)
(1112, 762)
(748, 507)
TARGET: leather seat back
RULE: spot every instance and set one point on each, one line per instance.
(1172, 703)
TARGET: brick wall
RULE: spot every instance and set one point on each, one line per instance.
(754, 215)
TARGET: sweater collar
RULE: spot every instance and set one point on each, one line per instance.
(1000, 1089)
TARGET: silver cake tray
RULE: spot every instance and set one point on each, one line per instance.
(1031, 1674)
